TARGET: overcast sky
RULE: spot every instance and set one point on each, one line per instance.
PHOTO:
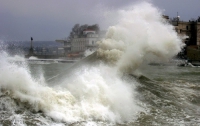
(54, 19)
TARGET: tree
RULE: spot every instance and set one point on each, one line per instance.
(94, 27)
(198, 20)
(78, 30)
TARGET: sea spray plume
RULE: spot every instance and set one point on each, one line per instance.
(17, 82)
(88, 52)
(105, 92)
(142, 35)
(93, 94)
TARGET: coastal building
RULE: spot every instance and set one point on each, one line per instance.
(86, 42)
(78, 44)
(191, 29)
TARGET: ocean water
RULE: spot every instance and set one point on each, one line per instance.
(39, 47)
(114, 86)
(96, 96)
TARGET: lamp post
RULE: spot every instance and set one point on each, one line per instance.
(31, 42)
(31, 48)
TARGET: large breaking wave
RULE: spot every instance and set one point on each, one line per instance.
(99, 92)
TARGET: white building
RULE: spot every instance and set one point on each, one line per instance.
(76, 46)
(86, 42)
(83, 43)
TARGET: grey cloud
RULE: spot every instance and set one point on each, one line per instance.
(53, 19)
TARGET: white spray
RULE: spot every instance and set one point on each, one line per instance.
(93, 94)
(142, 35)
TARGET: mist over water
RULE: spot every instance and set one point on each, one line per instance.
(94, 93)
